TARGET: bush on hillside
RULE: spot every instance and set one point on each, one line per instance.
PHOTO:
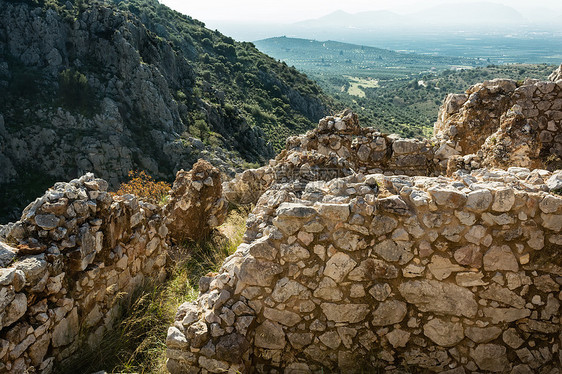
(145, 187)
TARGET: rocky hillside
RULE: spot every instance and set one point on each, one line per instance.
(119, 85)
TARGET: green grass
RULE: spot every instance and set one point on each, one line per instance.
(137, 343)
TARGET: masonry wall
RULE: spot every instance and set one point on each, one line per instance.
(454, 275)
(78, 253)
(80, 250)
(498, 123)
(502, 123)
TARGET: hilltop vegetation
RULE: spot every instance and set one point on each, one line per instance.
(267, 93)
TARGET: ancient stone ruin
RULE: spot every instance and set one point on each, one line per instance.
(364, 251)
(76, 252)
(361, 254)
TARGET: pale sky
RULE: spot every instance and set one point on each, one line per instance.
(288, 11)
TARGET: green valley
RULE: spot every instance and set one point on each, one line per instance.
(394, 91)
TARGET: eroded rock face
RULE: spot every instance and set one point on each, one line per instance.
(196, 204)
(438, 272)
(556, 75)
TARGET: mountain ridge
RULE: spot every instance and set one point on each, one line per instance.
(118, 85)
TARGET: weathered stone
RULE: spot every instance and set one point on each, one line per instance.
(550, 204)
(381, 225)
(413, 271)
(498, 315)
(475, 234)
(470, 279)
(270, 335)
(285, 288)
(300, 340)
(398, 338)
(47, 221)
(66, 330)
(504, 198)
(331, 339)
(552, 221)
(443, 333)
(175, 339)
(434, 296)
(334, 212)
(394, 204)
(195, 208)
(7, 255)
(469, 255)
(372, 269)
(351, 313)
(284, 317)
(442, 267)
(389, 313)
(490, 357)
(380, 291)
(448, 197)
(328, 290)
(293, 253)
(212, 365)
(262, 248)
(348, 241)
(198, 334)
(389, 250)
(479, 200)
(338, 266)
(512, 338)
(231, 348)
(500, 258)
(482, 334)
(258, 272)
(503, 295)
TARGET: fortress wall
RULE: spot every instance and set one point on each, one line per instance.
(455, 275)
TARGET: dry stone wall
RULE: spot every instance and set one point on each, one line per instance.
(455, 275)
(499, 123)
(502, 123)
(77, 252)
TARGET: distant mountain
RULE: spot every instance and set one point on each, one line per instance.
(373, 19)
(444, 15)
(468, 14)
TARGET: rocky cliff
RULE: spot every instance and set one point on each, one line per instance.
(110, 86)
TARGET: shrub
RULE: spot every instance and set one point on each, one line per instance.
(145, 187)
(74, 89)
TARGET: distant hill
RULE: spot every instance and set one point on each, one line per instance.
(330, 57)
(110, 86)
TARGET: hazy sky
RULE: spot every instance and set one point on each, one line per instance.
(287, 11)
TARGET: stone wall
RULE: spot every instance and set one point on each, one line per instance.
(499, 123)
(338, 147)
(502, 123)
(454, 275)
(77, 253)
